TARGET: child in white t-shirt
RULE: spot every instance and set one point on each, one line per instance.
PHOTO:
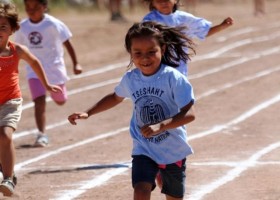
(45, 36)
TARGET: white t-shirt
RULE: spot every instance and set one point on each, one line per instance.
(45, 40)
(196, 27)
(156, 98)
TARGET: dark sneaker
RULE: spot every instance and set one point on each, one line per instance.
(7, 187)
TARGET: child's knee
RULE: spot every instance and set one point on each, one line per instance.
(6, 135)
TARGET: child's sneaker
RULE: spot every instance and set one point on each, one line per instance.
(42, 140)
(14, 176)
(7, 187)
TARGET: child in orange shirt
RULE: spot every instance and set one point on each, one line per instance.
(10, 94)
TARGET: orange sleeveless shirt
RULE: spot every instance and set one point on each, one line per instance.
(9, 77)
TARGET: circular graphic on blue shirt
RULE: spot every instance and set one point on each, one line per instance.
(150, 110)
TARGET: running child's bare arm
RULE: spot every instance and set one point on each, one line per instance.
(185, 116)
(35, 64)
(77, 68)
(225, 24)
(107, 102)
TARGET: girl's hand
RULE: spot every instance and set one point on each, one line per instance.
(228, 21)
(151, 130)
(78, 69)
(78, 115)
(54, 88)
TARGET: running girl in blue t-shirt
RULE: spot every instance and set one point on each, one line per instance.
(163, 99)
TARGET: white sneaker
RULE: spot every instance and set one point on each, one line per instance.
(7, 187)
(42, 140)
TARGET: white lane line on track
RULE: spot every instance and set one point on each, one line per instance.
(193, 76)
(231, 164)
(213, 130)
(237, 120)
(197, 58)
(232, 174)
(208, 93)
(246, 31)
(92, 183)
(235, 62)
(236, 45)
(240, 81)
(99, 70)
(34, 131)
(89, 166)
(70, 147)
(243, 117)
(125, 63)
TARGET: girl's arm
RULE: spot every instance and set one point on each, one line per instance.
(185, 116)
(76, 67)
(35, 64)
(107, 102)
(225, 24)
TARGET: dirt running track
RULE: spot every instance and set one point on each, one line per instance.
(236, 136)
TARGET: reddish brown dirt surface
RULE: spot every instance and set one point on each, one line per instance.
(235, 137)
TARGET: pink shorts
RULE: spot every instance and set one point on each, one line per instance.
(38, 90)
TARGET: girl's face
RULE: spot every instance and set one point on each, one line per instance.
(146, 54)
(35, 10)
(5, 31)
(164, 6)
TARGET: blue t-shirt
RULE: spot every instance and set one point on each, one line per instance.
(156, 98)
(196, 27)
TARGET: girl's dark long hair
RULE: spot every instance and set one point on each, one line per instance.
(177, 45)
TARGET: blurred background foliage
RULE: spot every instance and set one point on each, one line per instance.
(90, 5)
(101, 5)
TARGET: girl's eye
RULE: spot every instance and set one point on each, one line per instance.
(137, 54)
(152, 53)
